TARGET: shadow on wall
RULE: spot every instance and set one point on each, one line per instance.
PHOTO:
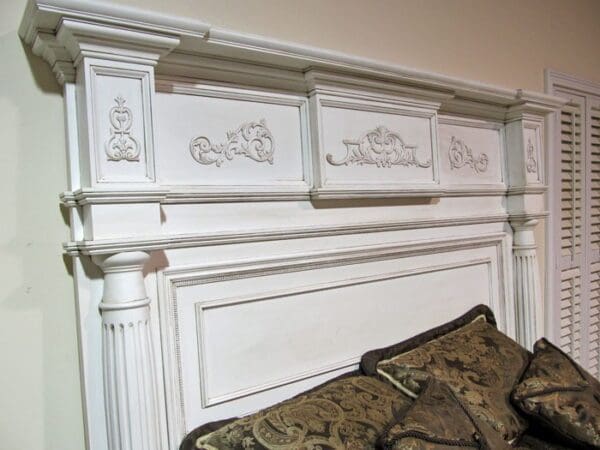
(39, 380)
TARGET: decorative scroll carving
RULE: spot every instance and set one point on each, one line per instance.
(252, 139)
(121, 145)
(381, 147)
(460, 155)
(531, 160)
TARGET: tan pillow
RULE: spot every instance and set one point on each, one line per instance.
(349, 413)
(559, 394)
(479, 363)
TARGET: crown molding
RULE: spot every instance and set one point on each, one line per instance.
(194, 39)
(48, 14)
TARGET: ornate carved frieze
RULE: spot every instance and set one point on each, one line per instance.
(121, 145)
(252, 140)
(461, 155)
(380, 147)
(531, 160)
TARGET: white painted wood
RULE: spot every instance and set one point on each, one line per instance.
(225, 131)
(373, 148)
(130, 385)
(573, 248)
(249, 308)
(528, 295)
(239, 169)
(471, 152)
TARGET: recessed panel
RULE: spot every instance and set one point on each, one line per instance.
(470, 153)
(122, 131)
(298, 332)
(211, 137)
(368, 148)
(532, 142)
(254, 333)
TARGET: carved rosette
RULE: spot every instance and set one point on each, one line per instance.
(527, 289)
(380, 147)
(130, 382)
(460, 155)
(252, 140)
(121, 146)
(531, 159)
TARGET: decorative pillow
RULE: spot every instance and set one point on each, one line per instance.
(439, 421)
(349, 413)
(559, 394)
(478, 362)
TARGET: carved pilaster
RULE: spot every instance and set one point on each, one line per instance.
(528, 298)
(130, 383)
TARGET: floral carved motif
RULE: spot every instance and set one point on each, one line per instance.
(531, 161)
(460, 155)
(380, 147)
(121, 145)
(252, 140)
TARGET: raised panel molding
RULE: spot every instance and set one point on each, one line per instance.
(401, 138)
(258, 141)
(202, 307)
(174, 278)
(119, 122)
(533, 137)
(474, 155)
(531, 157)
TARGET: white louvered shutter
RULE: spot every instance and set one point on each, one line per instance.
(593, 253)
(571, 227)
(575, 221)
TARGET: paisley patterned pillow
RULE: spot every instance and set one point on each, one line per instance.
(561, 395)
(439, 421)
(349, 413)
(478, 362)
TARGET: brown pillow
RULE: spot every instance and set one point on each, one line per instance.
(559, 394)
(477, 361)
(437, 420)
(349, 413)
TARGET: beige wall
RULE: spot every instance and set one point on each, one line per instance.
(502, 42)
(40, 403)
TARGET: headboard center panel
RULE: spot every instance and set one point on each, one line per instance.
(249, 333)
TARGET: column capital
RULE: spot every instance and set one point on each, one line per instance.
(83, 39)
(123, 280)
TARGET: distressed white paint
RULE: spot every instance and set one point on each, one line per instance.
(238, 249)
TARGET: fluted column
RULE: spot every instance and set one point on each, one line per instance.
(528, 296)
(130, 386)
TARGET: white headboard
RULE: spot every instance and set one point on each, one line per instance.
(249, 216)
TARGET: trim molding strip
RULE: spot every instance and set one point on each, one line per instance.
(106, 246)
